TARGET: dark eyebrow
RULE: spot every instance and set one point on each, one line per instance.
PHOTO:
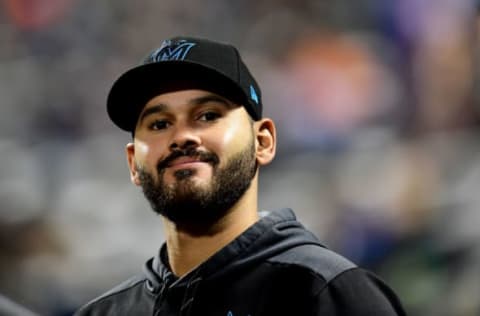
(152, 110)
(211, 98)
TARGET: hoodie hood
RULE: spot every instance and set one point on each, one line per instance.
(276, 267)
(272, 234)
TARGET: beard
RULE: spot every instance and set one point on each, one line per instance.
(189, 204)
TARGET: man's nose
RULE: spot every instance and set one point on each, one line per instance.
(184, 137)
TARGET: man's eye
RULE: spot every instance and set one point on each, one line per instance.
(209, 116)
(158, 125)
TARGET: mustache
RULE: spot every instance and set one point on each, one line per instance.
(202, 156)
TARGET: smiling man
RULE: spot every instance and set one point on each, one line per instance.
(199, 140)
(194, 156)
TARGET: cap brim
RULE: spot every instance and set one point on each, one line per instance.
(132, 90)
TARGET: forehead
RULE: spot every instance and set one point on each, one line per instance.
(180, 99)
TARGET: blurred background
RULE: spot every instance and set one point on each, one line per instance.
(377, 107)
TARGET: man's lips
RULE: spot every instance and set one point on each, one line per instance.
(187, 157)
(184, 161)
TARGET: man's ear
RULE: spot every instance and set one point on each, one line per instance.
(130, 153)
(265, 140)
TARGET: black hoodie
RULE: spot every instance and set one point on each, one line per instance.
(276, 267)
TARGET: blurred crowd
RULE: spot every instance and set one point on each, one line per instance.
(377, 108)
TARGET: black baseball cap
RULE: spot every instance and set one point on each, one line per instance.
(183, 63)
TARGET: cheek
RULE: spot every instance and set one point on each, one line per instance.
(231, 137)
(146, 154)
(234, 138)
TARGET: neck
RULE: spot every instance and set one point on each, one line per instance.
(188, 249)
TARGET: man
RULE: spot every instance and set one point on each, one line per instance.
(199, 138)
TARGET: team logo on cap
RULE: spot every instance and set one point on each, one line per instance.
(171, 50)
(253, 94)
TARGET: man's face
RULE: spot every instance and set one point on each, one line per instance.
(194, 153)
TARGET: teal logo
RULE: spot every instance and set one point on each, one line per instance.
(254, 97)
(171, 51)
